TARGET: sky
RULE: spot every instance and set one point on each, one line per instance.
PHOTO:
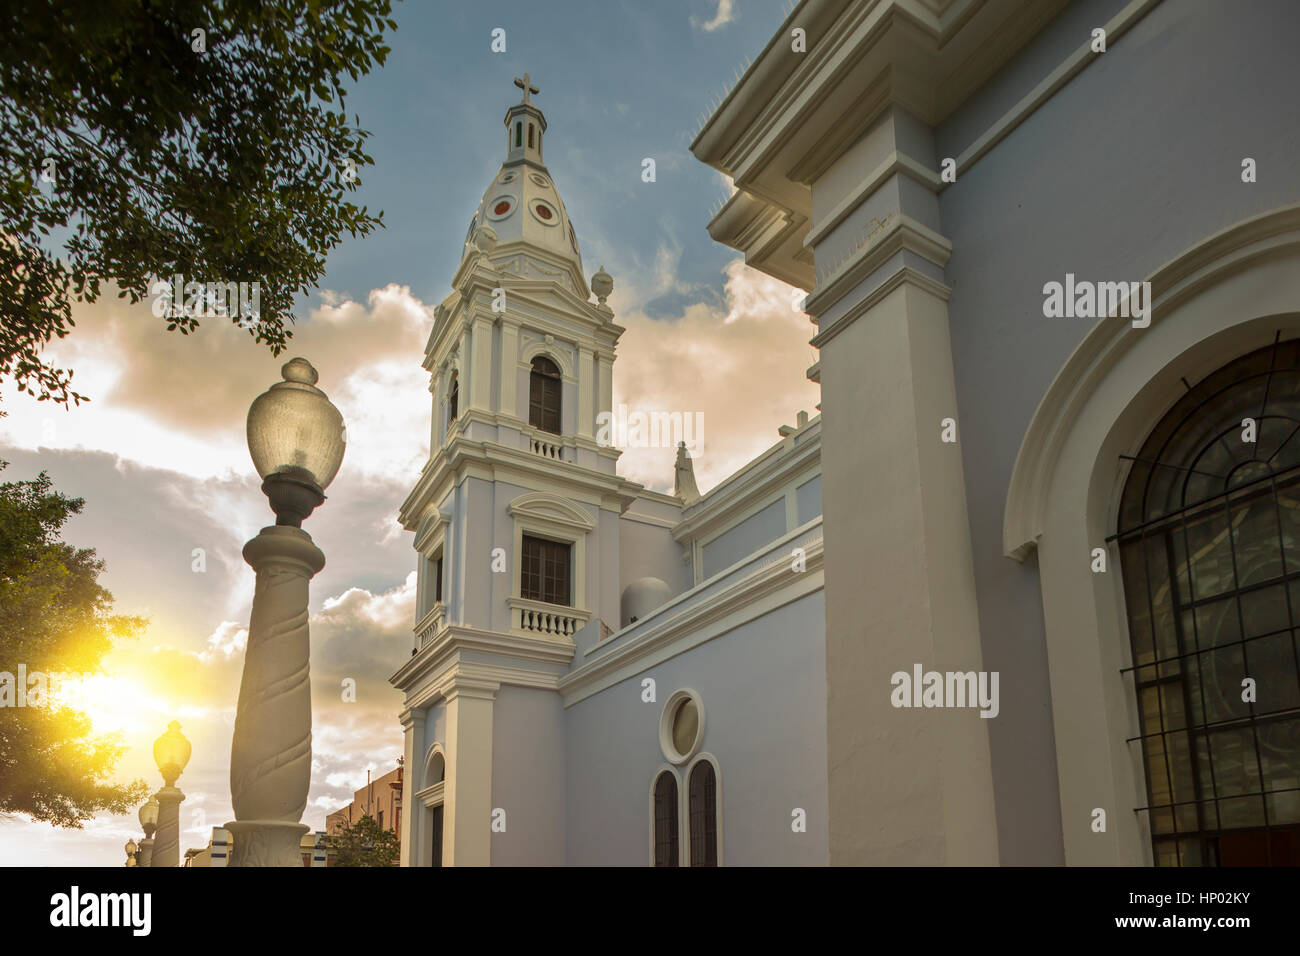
(159, 452)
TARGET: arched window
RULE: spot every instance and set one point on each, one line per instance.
(544, 395)
(665, 820)
(453, 400)
(703, 798)
(1209, 540)
(519, 134)
(530, 135)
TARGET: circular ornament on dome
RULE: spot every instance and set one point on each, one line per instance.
(500, 207)
(544, 212)
(508, 176)
(540, 180)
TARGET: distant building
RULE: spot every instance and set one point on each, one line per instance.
(221, 843)
(380, 798)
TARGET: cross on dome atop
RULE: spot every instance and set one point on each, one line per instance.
(527, 87)
(530, 228)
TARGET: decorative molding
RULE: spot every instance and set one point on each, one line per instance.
(1050, 85)
(1190, 273)
(663, 634)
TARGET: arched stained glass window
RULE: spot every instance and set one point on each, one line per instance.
(1209, 540)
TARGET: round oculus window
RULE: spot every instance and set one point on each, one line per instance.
(544, 212)
(500, 208)
(681, 728)
(540, 180)
(508, 176)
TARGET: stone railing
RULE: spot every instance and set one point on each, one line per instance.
(546, 620)
(545, 444)
(430, 624)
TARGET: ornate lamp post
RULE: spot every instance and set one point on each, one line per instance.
(171, 752)
(296, 438)
(149, 821)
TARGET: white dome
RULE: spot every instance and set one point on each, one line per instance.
(525, 212)
(521, 205)
(641, 597)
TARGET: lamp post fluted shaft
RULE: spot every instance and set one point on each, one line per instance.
(167, 838)
(270, 756)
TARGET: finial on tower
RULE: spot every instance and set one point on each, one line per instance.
(526, 85)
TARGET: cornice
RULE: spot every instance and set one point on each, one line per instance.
(751, 482)
(770, 586)
(902, 233)
(436, 660)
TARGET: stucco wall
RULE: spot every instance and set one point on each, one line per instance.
(763, 686)
(1136, 159)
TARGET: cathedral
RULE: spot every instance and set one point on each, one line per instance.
(1026, 592)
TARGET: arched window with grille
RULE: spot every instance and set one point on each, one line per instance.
(453, 400)
(702, 790)
(665, 819)
(1209, 542)
(544, 387)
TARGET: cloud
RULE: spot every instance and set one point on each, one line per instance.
(726, 13)
(743, 367)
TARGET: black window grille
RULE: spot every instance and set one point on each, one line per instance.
(1209, 540)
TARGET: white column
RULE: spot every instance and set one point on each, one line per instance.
(270, 756)
(510, 371)
(586, 392)
(413, 723)
(481, 376)
(467, 810)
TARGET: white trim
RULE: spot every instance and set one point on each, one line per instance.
(1073, 65)
(666, 744)
(1223, 298)
(1106, 346)
(548, 350)
(435, 750)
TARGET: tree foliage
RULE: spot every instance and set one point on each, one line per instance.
(55, 618)
(133, 147)
(364, 843)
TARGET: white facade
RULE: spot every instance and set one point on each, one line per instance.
(520, 708)
(923, 169)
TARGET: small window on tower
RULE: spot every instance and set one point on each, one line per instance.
(453, 401)
(519, 134)
(544, 571)
(530, 135)
(544, 395)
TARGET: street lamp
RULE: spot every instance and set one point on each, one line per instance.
(171, 752)
(296, 438)
(149, 821)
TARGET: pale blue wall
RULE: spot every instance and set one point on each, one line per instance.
(744, 538)
(1135, 160)
(763, 686)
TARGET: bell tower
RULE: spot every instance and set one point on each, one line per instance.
(515, 514)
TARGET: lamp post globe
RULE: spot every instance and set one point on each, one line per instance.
(171, 752)
(296, 438)
(149, 823)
